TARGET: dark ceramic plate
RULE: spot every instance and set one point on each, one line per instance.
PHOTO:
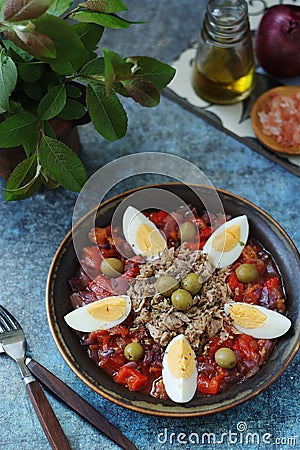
(262, 227)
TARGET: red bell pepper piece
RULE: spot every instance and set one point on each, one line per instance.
(131, 378)
(271, 283)
(158, 218)
(208, 386)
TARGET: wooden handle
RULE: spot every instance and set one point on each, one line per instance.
(78, 404)
(47, 418)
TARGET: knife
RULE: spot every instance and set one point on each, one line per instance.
(77, 403)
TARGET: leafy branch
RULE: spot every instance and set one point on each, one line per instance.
(49, 70)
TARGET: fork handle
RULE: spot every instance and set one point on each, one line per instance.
(47, 418)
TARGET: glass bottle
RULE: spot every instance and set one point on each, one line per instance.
(223, 69)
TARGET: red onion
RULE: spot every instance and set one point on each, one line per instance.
(278, 41)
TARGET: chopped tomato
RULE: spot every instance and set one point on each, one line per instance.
(232, 280)
(101, 287)
(208, 386)
(120, 330)
(174, 235)
(216, 343)
(158, 218)
(113, 363)
(235, 286)
(200, 223)
(247, 346)
(131, 378)
(101, 236)
(271, 283)
(91, 258)
(252, 294)
(108, 253)
(131, 273)
(155, 371)
(205, 233)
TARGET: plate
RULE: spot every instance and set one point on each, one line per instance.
(262, 227)
(260, 105)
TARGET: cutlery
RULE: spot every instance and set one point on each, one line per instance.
(13, 342)
(75, 402)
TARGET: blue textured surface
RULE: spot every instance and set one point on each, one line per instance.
(31, 231)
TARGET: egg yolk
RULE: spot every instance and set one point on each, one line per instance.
(247, 317)
(228, 239)
(149, 240)
(108, 310)
(181, 362)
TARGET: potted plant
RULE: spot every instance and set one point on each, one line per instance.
(50, 72)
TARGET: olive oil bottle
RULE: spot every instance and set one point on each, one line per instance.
(223, 69)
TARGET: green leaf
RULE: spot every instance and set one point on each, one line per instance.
(142, 91)
(107, 113)
(16, 53)
(104, 6)
(73, 110)
(32, 90)
(52, 103)
(160, 74)
(38, 44)
(31, 71)
(48, 129)
(17, 129)
(73, 91)
(93, 67)
(8, 79)
(70, 57)
(47, 181)
(58, 7)
(105, 20)
(116, 69)
(89, 33)
(19, 10)
(24, 180)
(61, 163)
(2, 6)
(30, 145)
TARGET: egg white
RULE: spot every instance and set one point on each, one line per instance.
(275, 325)
(180, 390)
(81, 320)
(225, 258)
(132, 219)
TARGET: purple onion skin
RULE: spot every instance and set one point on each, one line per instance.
(278, 41)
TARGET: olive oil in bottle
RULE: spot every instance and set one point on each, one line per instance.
(223, 70)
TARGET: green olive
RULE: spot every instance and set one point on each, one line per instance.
(134, 351)
(187, 231)
(166, 284)
(225, 357)
(246, 273)
(192, 283)
(181, 300)
(111, 267)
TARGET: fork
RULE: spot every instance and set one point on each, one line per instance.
(13, 342)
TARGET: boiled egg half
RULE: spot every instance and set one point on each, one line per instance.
(227, 242)
(179, 371)
(257, 321)
(142, 235)
(100, 315)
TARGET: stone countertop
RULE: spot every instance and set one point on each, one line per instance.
(31, 230)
